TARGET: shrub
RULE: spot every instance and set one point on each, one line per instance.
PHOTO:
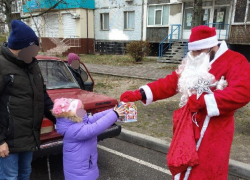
(138, 50)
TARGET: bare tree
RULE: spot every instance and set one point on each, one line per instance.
(197, 13)
(10, 6)
(42, 12)
(6, 6)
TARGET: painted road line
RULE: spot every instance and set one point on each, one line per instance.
(158, 168)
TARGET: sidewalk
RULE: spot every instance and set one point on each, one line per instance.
(151, 71)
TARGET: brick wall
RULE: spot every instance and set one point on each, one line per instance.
(239, 34)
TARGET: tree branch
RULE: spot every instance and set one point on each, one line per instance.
(52, 7)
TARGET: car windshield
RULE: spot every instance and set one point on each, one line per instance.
(57, 75)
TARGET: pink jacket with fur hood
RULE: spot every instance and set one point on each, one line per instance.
(80, 144)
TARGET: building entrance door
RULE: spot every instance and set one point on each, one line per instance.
(215, 13)
(187, 20)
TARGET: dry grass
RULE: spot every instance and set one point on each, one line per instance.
(115, 60)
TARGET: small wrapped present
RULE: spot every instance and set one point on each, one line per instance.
(130, 112)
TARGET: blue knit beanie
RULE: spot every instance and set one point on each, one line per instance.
(21, 36)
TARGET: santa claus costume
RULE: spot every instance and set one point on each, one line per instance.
(215, 110)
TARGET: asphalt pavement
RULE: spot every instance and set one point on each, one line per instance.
(154, 71)
(117, 160)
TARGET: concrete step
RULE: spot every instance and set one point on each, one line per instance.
(175, 51)
(169, 57)
(180, 46)
(173, 56)
(170, 61)
(177, 47)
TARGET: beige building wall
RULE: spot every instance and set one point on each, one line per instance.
(91, 31)
(82, 24)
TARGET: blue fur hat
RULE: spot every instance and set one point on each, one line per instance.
(21, 36)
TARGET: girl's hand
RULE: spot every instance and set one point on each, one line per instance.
(120, 110)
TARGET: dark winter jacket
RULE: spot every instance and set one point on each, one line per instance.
(78, 76)
(23, 102)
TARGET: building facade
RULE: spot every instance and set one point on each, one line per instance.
(69, 26)
(117, 23)
(239, 39)
(230, 17)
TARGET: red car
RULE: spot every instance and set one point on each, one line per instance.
(61, 83)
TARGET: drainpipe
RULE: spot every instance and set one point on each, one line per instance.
(142, 16)
(87, 14)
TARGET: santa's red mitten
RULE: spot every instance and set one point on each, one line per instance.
(131, 96)
(196, 104)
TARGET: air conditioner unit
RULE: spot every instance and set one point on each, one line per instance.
(75, 16)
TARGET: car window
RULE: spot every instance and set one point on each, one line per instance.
(57, 75)
(84, 75)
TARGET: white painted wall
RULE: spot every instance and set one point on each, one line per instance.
(175, 1)
(116, 9)
(175, 17)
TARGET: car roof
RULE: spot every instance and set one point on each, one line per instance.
(42, 57)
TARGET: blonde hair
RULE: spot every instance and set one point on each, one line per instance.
(69, 115)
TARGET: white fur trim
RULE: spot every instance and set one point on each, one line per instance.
(203, 43)
(203, 130)
(212, 108)
(177, 176)
(148, 93)
(187, 173)
(223, 48)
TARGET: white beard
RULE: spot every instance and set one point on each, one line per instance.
(191, 69)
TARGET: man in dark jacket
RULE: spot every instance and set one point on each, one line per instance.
(78, 73)
(23, 102)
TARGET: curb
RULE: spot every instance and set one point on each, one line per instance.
(236, 168)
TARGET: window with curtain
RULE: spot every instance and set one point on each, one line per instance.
(158, 15)
(104, 21)
(129, 20)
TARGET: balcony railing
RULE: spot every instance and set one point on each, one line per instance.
(167, 41)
